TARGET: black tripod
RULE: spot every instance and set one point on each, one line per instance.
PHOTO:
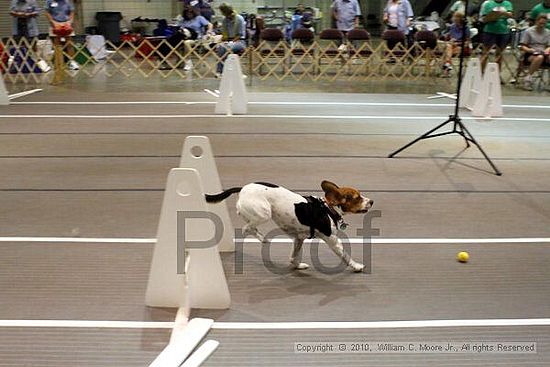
(457, 125)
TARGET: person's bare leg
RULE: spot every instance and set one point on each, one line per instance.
(535, 63)
(498, 57)
(485, 57)
(69, 47)
(449, 53)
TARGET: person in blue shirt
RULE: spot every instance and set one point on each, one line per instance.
(24, 13)
(346, 13)
(60, 14)
(193, 20)
(233, 33)
(192, 27)
(296, 19)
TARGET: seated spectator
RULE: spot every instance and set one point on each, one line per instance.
(197, 26)
(456, 37)
(301, 18)
(234, 35)
(535, 43)
(193, 20)
(524, 22)
(192, 27)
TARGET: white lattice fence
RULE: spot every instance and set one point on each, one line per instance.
(315, 61)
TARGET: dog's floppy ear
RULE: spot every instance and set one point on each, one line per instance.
(332, 193)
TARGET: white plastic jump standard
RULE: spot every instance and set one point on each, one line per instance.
(201, 355)
(4, 99)
(233, 98)
(471, 84)
(197, 154)
(489, 102)
(178, 350)
(204, 284)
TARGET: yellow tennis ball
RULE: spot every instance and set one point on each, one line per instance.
(463, 256)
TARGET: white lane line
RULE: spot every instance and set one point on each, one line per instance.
(316, 117)
(281, 103)
(113, 103)
(87, 324)
(23, 94)
(77, 240)
(212, 94)
(278, 325)
(288, 240)
(390, 104)
(380, 324)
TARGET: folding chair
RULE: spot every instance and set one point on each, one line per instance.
(272, 46)
(301, 49)
(332, 47)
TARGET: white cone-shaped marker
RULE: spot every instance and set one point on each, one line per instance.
(4, 99)
(233, 98)
(489, 102)
(184, 274)
(197, 154)
(471, 84)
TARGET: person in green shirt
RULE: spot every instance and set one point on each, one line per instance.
(495, 14)
(542, 8)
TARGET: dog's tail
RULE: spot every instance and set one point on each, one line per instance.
(222, 195)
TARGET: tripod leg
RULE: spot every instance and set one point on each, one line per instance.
(473, 140)
(424, 136)
(460, 131)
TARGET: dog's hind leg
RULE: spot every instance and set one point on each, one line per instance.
(296, 257)
(250, 229)
(336, 246)
(254, 215)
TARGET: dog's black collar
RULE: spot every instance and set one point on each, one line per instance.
(330, 211)
(337, 219)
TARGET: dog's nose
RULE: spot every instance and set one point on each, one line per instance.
(371, 202)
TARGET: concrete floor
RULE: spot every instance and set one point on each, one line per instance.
(83, 170)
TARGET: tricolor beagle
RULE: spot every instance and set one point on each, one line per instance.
(298, 216)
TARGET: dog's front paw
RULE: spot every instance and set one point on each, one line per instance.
(299, 266)
(356, 267)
